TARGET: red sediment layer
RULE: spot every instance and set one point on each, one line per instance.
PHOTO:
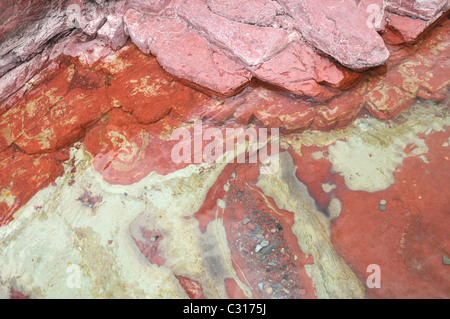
(277, 266)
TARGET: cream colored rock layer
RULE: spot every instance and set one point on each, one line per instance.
(55, 234)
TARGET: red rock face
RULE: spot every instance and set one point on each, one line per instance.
(425, 10)
(264, 251)
(22, 175)
(252, 45)
(223, 76)
(261, 13)
(225, 44)
(407, 239)
(131, 72)
(69, 97)
(328, 27)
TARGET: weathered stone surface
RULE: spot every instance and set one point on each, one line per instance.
(408, 29)
(147, 5)
(196, 62)
(425, 10)
(22, 175)
(338, 30)
(113, 31)
(290, 114)
(88, 52)
(56, 113)
(143, 88)
(419, 73)
(262, 13)
(222, 42)
(18, 47)
(126, 150)
(143, 225)
(17, 77)
(299, 69)
(91, 18)
(252, 45)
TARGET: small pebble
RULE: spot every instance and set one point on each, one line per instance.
(246, 221)
(446, 261)
(382, 202)
(264, 243)
(258, 248)
(382, 207)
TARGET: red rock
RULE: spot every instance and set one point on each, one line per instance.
(299, 69)
(313, 173)
(244, 200)
(43, 75)
(143, 88)
(290, 113)
(338, 30)
(56, 114)
(386, 98)
(425, 10)
(197, 62)
(409, 238)
(14, 120)
(250, 44)
(17, 295)
(147, 5)
(258, 12)
(65, 123)
(233, 289)
(193, 288)
(124, 149)
(22, 175)
(338, 112)
(214, 111)
(409, 29)
(422, 72)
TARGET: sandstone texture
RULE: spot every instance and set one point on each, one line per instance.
(218, 46)
(92, 91)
